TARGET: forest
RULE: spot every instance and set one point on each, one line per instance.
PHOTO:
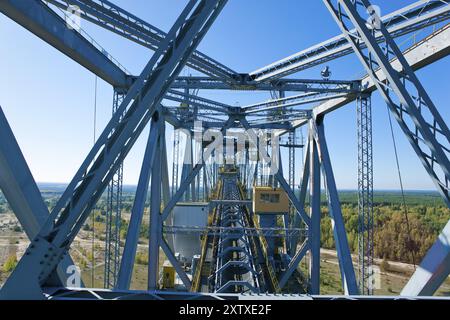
(404, 230)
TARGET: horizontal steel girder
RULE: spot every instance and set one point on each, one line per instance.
(247, 84)
(414, 17)
(251, 232)
(293, 101)
(103, 294)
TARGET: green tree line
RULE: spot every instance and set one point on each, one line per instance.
(393, 240)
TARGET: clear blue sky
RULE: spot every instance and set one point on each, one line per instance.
(48, 99)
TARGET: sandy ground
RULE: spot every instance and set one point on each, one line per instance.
(390, 283)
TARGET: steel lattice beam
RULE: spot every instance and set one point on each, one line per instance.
(247, 84)
(348, 277)
(113, 217)
(365, 195)
(137, 211)
(292, 101)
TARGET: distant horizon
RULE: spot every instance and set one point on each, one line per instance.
(40, 184)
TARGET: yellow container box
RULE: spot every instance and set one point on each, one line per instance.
(270, 200)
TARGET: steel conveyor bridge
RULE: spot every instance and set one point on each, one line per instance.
(234, 260)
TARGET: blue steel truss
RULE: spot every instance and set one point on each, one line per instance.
(365, 196)
(147, 102)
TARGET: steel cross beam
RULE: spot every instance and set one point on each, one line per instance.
(414, 17)
(253, 232)
(282, 123)
(412, 107)
(67, 218)
(201, 103)
(155, 223)
(297, 100)
(247, 84)
(296, 223)
(293, 264)
(114, 18)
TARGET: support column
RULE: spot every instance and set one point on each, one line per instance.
(315, 214)
(155, 230)
(137, 212)
(337, 221)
